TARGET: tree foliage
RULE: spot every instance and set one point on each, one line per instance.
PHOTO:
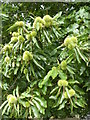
(45, 65)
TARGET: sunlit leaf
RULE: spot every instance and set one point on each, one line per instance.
(35, 112)
(62, 105)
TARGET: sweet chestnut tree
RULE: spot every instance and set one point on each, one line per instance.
(45, 67)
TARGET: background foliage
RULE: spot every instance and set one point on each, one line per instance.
(72, 20)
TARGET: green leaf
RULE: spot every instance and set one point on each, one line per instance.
(27, 76)
(72, 27)
(17, 64)
(70, 69)
(38, 64)
(22, 67)
(53, 90)
(48, 75)
(46, 78)
(74, 103)
(6, 70)
(1, 84)
(77, 56)
(71, 105)
(22, 102)
(35, 112)
(48, 83)
(35, 42)
(42, 57)
(62, 98)
(53, 52)
(42, 101)
(33, 83)
(82, 55)
(15, 71)
(19, 58)
(57, 15)
(78, 89)
(55, 32)
(73, 81)
(82, 69)
(57, 103)
(3, 104)
(82, 99)
(40, 84)
(70, 58)
(62, 105)
(54, 72)
(77, 95)
(37, 93)
(18, 109)
(53, 97)
(32, 69)
(88, 88)
(87, 84)
(21, 47)
(38, 106)
(31, 103)
(17, 93)
(67, 92)
(44, 90)
(15, 107)
(8, 110)
(37, 26)
(3, 15)
(13, 27)
(25, 95)
(62, 75)
(80, 104)
(5, 108)
(46, 36)
(14, 92)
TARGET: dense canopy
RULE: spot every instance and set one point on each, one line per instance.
(45, 60)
